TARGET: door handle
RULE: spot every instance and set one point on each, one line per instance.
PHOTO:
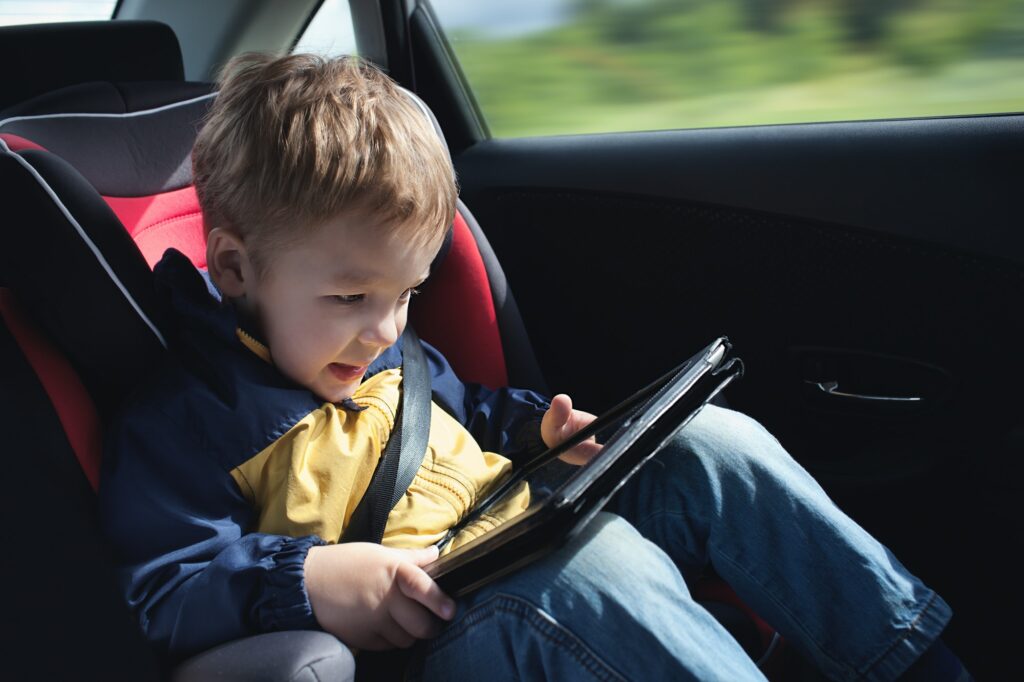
(832, 388)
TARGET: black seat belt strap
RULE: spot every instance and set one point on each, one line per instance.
(404, 451)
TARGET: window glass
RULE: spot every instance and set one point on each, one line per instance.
(578, 66)
(47, 11)
(330, 32)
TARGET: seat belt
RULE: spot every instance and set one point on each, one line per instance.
(404, 451)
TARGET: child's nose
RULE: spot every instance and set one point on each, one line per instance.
(382, 331)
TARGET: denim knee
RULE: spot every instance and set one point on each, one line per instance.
(700, 489)
(733, 450)
(729, 440)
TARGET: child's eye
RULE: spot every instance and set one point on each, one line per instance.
(408, 293)
(344, 299)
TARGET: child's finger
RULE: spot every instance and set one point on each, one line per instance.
(417, 585)
(413, 618)
(394, 635)
(421, 557)
(371, 642)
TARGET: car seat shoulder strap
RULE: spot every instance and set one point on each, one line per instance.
(404, 451)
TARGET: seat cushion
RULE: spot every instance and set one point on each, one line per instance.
(295, 656)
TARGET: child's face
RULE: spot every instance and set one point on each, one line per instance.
(330, 304)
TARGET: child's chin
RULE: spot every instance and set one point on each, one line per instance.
(335, 395)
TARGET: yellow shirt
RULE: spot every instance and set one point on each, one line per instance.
(311, 479)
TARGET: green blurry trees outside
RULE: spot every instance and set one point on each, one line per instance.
(614, 65)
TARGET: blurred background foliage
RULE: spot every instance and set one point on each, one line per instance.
(615, 65)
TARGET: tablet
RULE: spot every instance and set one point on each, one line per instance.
(545, 501)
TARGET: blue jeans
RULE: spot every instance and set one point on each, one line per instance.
(614, 604)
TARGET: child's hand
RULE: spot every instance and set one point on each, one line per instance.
(373, 597)
(560, 422)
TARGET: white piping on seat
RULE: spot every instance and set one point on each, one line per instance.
(129, 114)
(85, 237)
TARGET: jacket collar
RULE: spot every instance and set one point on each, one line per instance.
(195, 304)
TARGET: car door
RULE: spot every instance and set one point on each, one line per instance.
(869, 273)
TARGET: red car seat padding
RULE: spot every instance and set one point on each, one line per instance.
(156, 222)
(71, 401)
(462, 321)
(16, 143)
(161, 221)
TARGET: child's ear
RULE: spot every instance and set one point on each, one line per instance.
(227, 262)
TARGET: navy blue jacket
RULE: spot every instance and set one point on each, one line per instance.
(178, 522)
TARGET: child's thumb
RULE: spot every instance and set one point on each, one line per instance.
(559, 412)
(563, 406)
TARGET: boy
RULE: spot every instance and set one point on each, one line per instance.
(232, 473)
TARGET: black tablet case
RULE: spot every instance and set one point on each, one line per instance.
(659, 411)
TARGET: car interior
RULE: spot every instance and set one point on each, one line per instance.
(867, 272)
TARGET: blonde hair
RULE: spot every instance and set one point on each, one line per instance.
(293, 141)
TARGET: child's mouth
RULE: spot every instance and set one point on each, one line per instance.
(346, 373)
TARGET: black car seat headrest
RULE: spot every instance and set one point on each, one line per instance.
(43, 57)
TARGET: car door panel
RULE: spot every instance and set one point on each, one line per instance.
(626, 250)
(884, 256)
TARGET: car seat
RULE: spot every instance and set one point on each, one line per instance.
(100, 235)
(98, 182)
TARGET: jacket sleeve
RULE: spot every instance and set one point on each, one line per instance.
(176, 520)
(503, 420)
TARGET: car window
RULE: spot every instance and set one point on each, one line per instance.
(46, 11)
(579, 66)
(330, 31)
